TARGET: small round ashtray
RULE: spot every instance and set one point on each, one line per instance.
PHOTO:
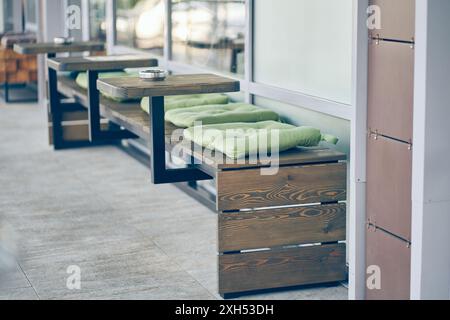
(63, 40)
(154, 74)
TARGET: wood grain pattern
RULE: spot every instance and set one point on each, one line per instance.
(248, 189)
(295, 156)
(96, 63)
(281, 227)
(50, 47)
(282, 268)
(126, 114)
(173, 85)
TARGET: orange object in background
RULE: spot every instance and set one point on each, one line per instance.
(17, 68)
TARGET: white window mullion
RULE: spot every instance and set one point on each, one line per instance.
(85, 20)
(248, 49)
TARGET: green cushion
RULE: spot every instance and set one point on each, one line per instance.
(238, 140)
(216, 114)
(187, 101)
(82, 81)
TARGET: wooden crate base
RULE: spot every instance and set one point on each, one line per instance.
(245, 272)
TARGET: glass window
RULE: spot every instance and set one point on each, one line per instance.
(305, 46)
(97, 17)
(30, 12)
(209, 33)
(140, 24)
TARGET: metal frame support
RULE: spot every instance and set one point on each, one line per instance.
(96, 134)
(57, 109)
(160, 173)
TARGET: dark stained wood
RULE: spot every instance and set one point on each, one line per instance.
(50, 47)
(295, 156)
(397, 19)
(126, 114)
(389, 183)
(281, 268)
(318, 178)
(281, 227)
(393, 256)
(174, 85)
(391, 89)
(74, 131)
(293, 185)
(101, 63)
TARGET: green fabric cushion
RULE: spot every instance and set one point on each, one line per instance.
(238, 140)
(187, 101)
(216, 114)
(82, 81)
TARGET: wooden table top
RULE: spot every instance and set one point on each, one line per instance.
(50, 47)
(101, 63)
(134, 87)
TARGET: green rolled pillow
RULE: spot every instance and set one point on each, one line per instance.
(239, 140)
(187, 101)
(216, 114)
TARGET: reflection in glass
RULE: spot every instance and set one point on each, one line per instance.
(30, 11)
(209, 33)
(97, 17)
(140, 24)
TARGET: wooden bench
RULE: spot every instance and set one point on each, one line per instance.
(276, 231)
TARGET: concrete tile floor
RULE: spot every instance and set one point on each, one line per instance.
(95, 208)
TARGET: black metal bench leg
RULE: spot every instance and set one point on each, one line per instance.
(160, 173)
(96, 134)
(55, 110)
(6, 90)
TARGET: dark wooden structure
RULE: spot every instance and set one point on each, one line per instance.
(74, 121)
(274, 231)
(52, 48)
(96, 133)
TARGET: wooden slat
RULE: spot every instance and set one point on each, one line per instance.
(295, 156)
(50, 47)
(248, 189)
(174, 85)
(281, 227)
(101, 63)
(283, 268)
